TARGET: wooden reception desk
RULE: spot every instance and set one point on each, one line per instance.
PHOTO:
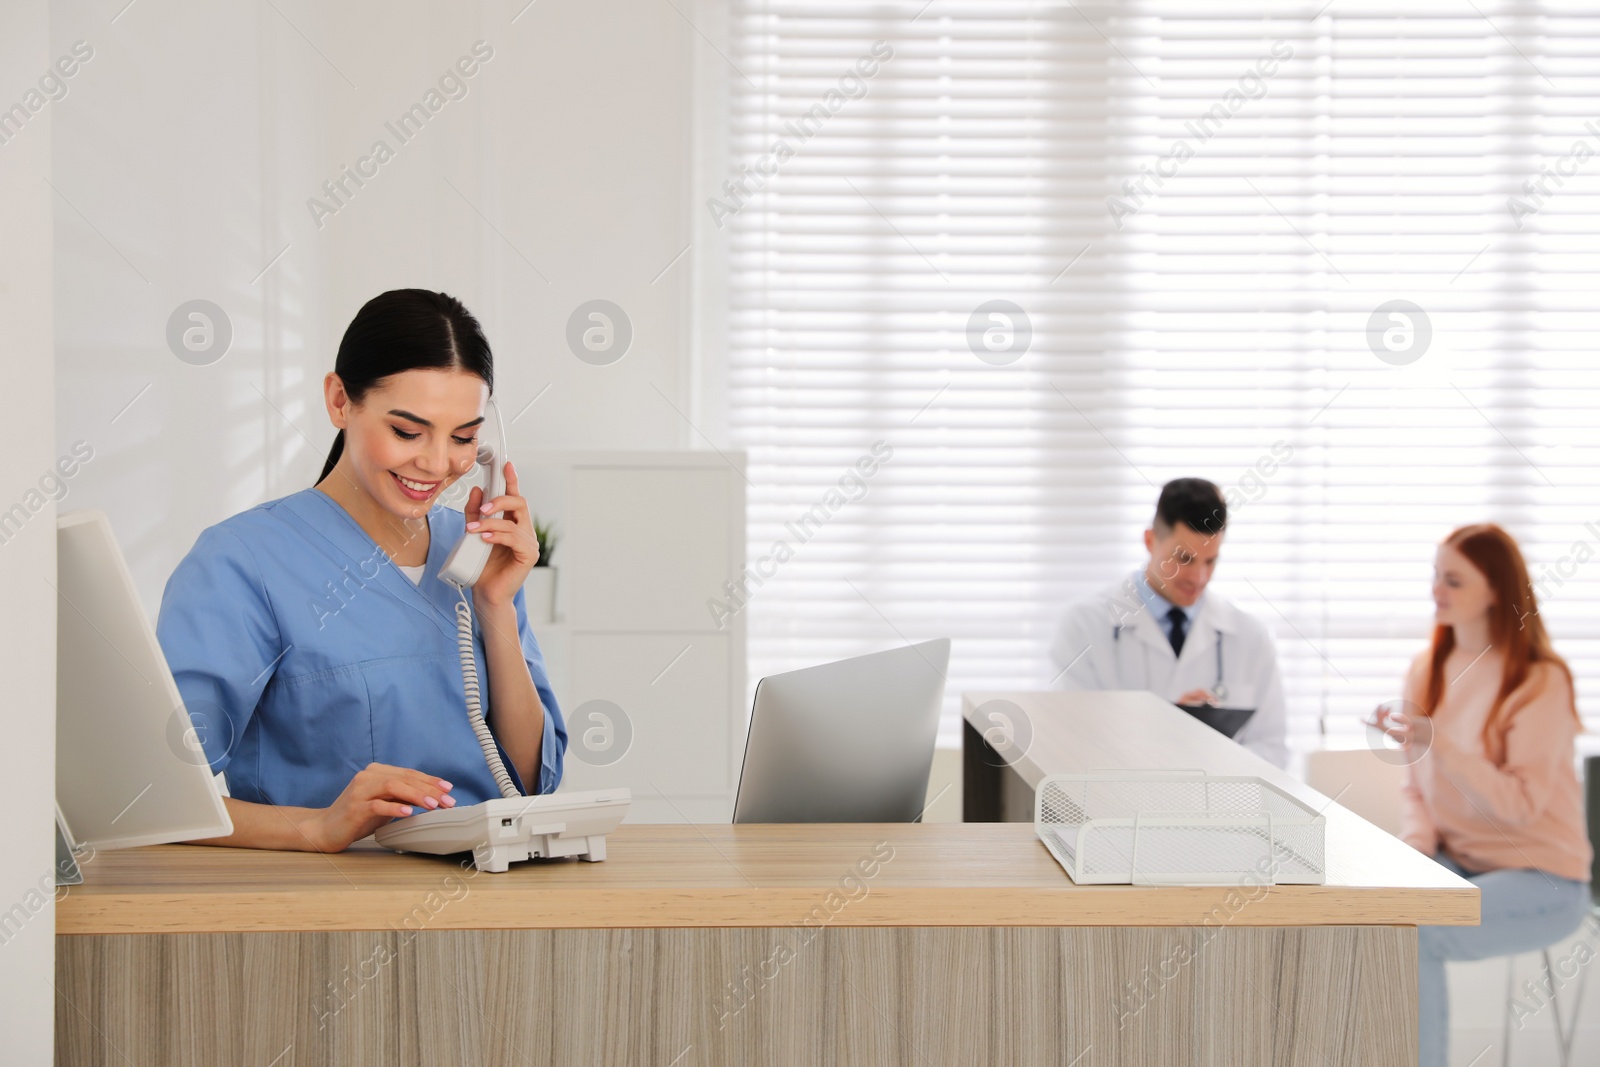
(894, 944)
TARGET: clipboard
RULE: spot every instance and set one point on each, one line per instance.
(1226, 721)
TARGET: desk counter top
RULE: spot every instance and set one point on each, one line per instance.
(979, 874)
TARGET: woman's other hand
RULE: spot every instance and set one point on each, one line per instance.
(1394, 723)
(377, 794)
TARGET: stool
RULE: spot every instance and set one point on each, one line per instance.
(1565, 1035)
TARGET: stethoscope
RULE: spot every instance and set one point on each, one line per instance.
(1218, 690)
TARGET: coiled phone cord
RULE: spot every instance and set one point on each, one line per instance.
(469, 676)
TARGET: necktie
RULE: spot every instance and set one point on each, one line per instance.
(1175, 637)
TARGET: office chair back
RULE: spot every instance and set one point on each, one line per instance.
(1591, 796)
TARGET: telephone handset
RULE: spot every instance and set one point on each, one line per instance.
(464, 565)
(462, 569)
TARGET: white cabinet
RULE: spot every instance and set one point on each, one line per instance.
(652, 687)
(649, 545)
(664, 683)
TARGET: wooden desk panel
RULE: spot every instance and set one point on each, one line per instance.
(1326, 996)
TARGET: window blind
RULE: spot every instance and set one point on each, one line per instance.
(1200, 222)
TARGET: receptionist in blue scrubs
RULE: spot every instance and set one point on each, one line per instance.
(311, 638)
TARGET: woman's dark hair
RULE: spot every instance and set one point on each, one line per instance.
(407, 329)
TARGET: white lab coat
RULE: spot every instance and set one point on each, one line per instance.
(1111, 641)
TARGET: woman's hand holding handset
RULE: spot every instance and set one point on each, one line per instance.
(516, 549)
(375, 795)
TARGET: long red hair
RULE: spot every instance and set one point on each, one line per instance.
(1514, 627)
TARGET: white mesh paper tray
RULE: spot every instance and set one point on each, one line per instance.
(1178, 828)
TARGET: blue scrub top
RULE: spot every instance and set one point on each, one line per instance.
(303, 654)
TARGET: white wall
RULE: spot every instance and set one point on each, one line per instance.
(27, 551)
(190, 145)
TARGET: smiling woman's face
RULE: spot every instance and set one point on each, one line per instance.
(412, 435)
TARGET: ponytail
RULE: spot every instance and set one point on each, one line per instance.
(333, 457)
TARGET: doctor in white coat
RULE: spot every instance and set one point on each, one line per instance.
(1161, 630)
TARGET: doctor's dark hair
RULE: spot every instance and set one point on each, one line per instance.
(1195, 502)
(407, 329)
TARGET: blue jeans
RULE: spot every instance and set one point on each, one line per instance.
(1522, 910)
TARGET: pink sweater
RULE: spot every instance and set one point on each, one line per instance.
(1525, 811)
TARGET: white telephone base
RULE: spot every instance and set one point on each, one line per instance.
(501, 832)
